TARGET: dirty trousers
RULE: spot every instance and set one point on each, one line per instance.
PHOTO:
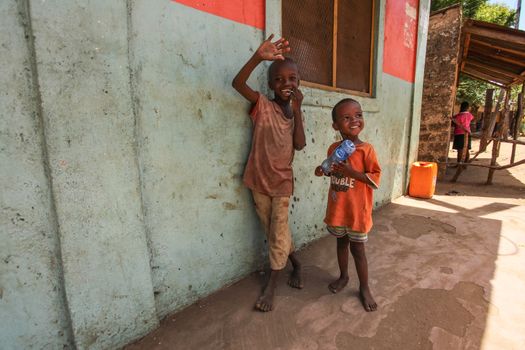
(273, 213)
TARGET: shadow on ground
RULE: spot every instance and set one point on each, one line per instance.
(442, 270)
(508, 183)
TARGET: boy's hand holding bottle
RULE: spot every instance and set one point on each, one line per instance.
(337, 160)
(343, 168)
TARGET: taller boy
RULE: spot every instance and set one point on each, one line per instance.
(277, 131)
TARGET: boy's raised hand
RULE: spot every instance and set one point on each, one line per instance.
(273, 51)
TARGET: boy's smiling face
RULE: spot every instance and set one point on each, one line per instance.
(283, 79)
(349, 120)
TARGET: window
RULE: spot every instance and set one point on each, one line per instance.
(332, 42)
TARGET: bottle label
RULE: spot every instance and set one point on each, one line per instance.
(348, 146)
(340, 154)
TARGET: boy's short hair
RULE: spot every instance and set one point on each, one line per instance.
(464, 106)
(277, 63)
(343, 101)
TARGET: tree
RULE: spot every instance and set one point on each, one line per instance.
(480, 10)
(496, 13)
(470, 7)
(471, 90)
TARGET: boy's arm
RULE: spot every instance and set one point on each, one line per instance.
(266, 51)
(459, 125)
(462, 128)
(299, 139)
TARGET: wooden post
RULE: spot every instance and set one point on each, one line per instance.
(504, 120)
(489, 95)
(504, 129)
(496, 143)
(495, 152)
(517, 123)
(521, 112)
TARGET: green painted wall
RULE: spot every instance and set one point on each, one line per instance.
(122, 150)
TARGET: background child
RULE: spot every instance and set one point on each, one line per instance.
(461, 123)
(277, 131)
(349, 209)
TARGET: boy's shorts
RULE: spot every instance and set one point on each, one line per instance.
(353, 236)
(273, 213)
(459, 142)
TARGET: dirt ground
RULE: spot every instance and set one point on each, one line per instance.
(447, 272)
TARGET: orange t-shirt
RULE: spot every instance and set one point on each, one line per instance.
(269, 167)
(350, 201)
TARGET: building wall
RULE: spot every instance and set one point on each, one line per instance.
(122, 150)
(32, 308)
(439, 87)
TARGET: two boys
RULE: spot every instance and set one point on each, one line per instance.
(277, 131)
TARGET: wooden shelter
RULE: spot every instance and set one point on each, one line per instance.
(495, 54)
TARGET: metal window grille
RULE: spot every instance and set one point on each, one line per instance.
(332, 42)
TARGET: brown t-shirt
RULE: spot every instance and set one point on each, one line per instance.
(269, 167)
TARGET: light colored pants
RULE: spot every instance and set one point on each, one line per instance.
(273, 213)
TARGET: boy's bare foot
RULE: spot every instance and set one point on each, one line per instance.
(367, 300)
(338, 285)
(296, 278)
(265, 301)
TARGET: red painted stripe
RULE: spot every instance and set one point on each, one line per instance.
(250, 12)
(401, 20)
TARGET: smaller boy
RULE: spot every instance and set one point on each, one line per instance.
(349, 209)
(277, 132)
(461, 123)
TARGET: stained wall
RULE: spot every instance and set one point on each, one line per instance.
(439, 86)
(122, 151)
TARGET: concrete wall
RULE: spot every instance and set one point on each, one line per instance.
(439, 85)
(33, 312)
(122, 150)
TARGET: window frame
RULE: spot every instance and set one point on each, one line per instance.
(372, 57)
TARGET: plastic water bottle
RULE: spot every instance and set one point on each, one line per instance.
(343, 151)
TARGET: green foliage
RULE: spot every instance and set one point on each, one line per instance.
(497, 13)
(514, 91)
(472, 90)
(470, 7)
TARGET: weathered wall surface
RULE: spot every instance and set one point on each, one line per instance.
(194, 139)
(84, 81)
(122, 150)
(439, 87)
(32, 308)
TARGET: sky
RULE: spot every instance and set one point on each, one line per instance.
(512, 4)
